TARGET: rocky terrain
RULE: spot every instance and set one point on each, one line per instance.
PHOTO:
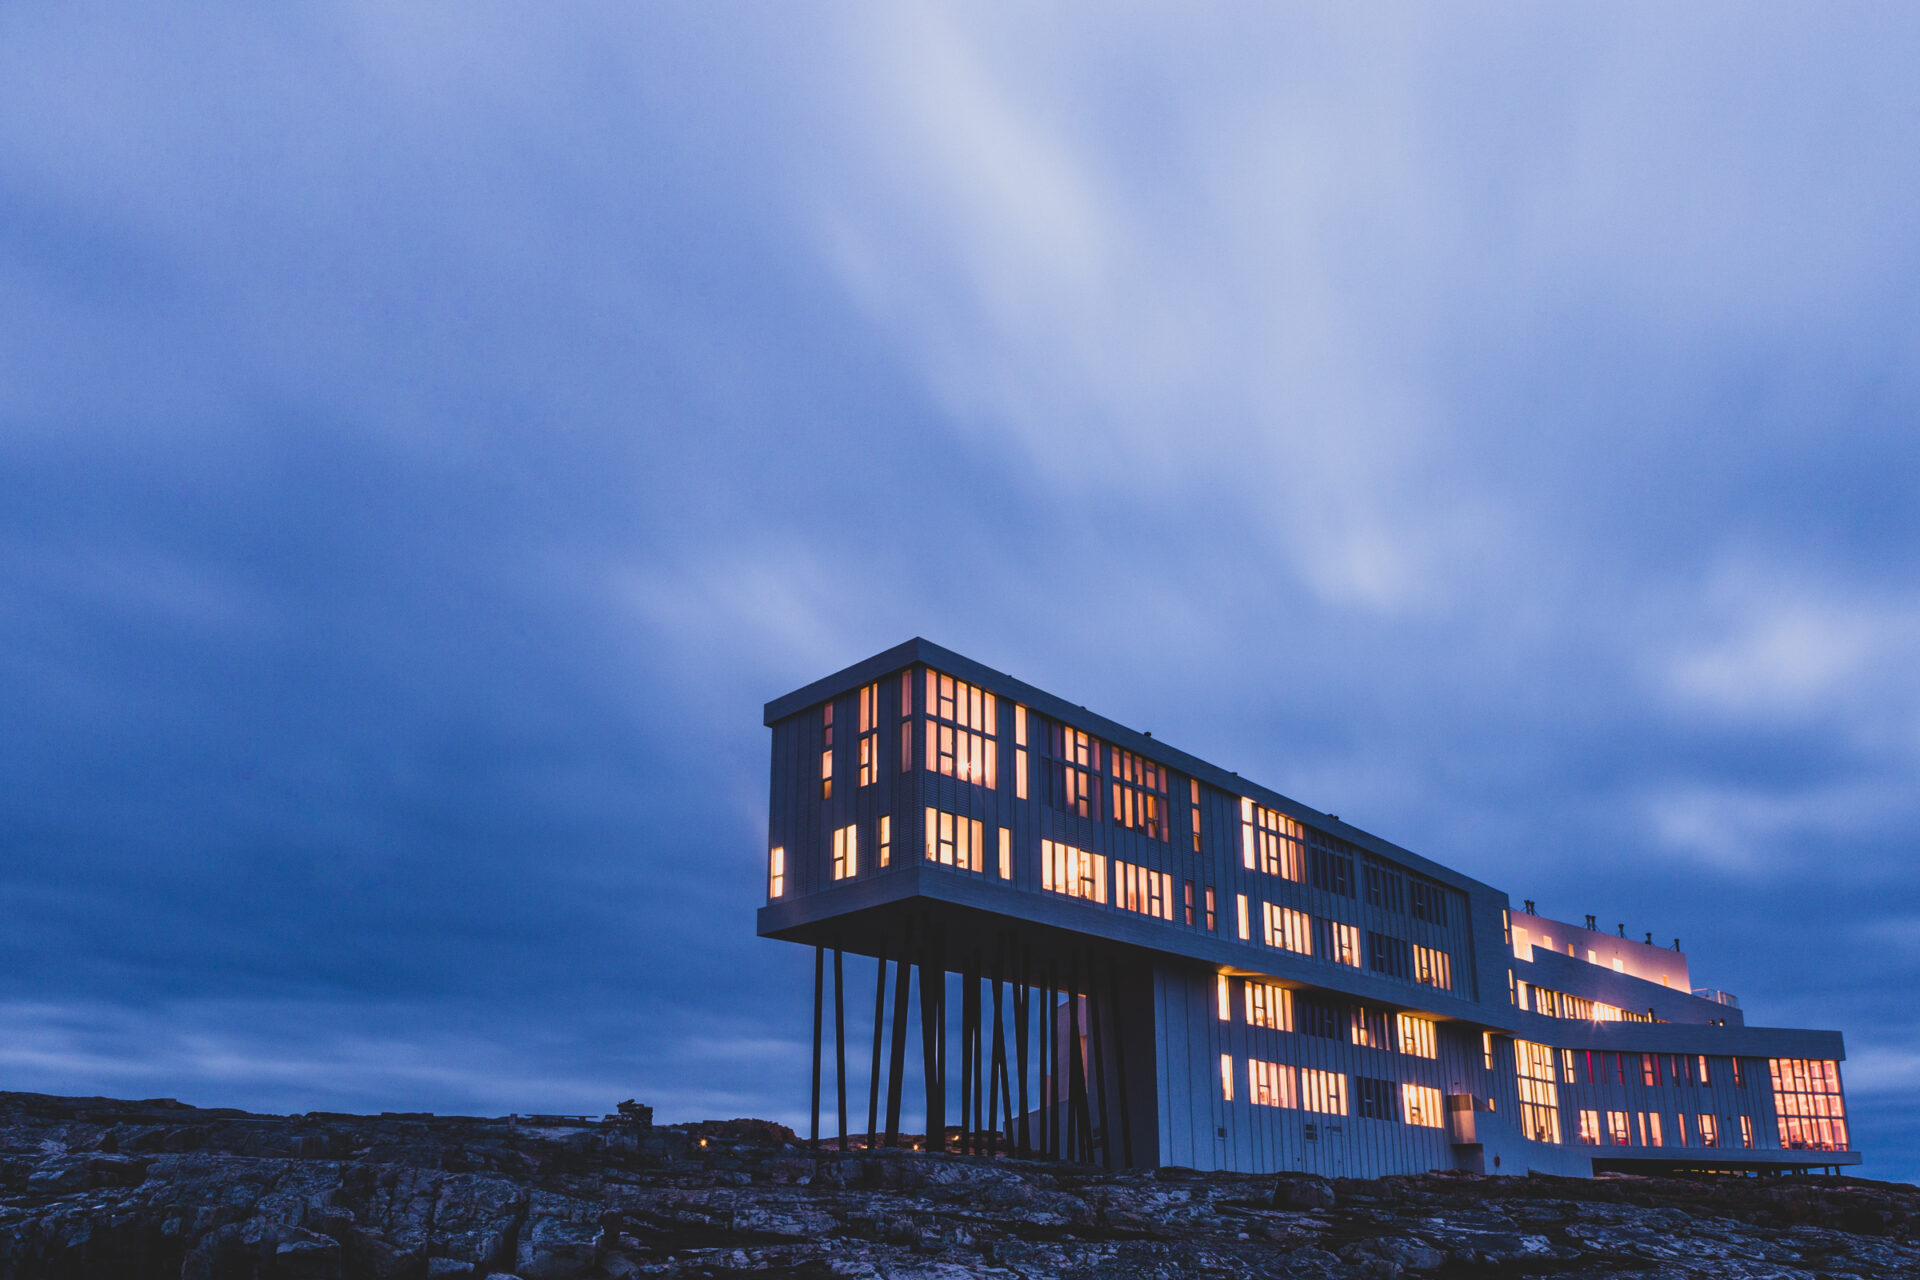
(111, 1190)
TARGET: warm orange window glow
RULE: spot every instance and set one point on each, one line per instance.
(1141, 889)
(1343, 943)
(1269, 1006)
(1138, 788)
(1020, 751)
(1709, 1126)
(906, 721)
(1746, 1131)
(961, 726)
(826, 756)
(886, 839)
(1416, 1037)
(1806, 1098)
(1650, 1129)
(1323, 1091)
(1074, 872)
(1006, 854)
(1193, 793)
(1422, 1103)
(1433, 967)
(1271, 842)
(869, 735)
(1589, 1128)
(846, 852)
(1271, 1084)
(776, 872)
(1226, 1003)
(1242, 903)
(953, 841)
(1226, 1076)
(1243, 932)
(1079, 756)
(1539, 1093)
(1288, 929)
(1619, 1131)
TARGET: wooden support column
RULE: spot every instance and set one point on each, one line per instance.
(1079, 1120)
(1100, 1056)
(897, 1055)
(1120, 1065)
(978, 1039)
(1004, 1098)
(840, 1043)
(819, 980)
(967, 1119)
(1022, 1009)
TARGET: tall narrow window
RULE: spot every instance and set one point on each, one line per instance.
(869, 735)
(846, 852)
(1619, 1132)
(1193, 796)
(1074, 872)
(1590, 1128)
(1422, 1103)
(906, 721)
(1006, 854)
(1286, 928)
(1226, 1076)
(1019, 751)
(886, 839)
(1342, 943)
(1139, 791)
(1269, 1006)
(954, 841)
(1539, 1094)
(1323, 1091)
(776, 872)
(826, 753)
(1746, 1131)
(1368, 1027)
(1433, 967)
(1709, 1126)
(1143, 889)
(1226, 1003)
(1242, 903)
(1210, 911)
(1076, 758)
(961, 726)
(1270, 842)
(1187, 891)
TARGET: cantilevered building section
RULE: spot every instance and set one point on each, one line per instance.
(1097, 947)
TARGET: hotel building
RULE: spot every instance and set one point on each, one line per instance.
(1108, 950)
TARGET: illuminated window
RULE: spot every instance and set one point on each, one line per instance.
(1226, 1001)
(1342, 943)
(1368, 1027)
(1286, 928)
(906, 721)
(886, 839)
(1139, 791)
(1806, 1098)
(1619, 1132)
(1020, 751)
(1186, 890)
(1226, 1076)
(1210, 911)
(1242, 903)
(953, 841)
(1389, 955)
(1590, 1128)
(1193, 793)
(1705, 1078)
(1006, 854)
(1680, 1128)
(1270, 1084)
(1071, 779)
(1539, 1095)
(826, 755)
(776, 872)
(1433, 967)
(1416, 1037)
(1649, 1069)
(1269, 1006)
(1422, 1103)
(1270, 842)
(846, 852)
(1323, 1091)
(1739, 1075)
(1650, 1129)
(1074, 872)
(1141, 889)
(1746, 1131)
(1486, 1048)
(869, 735)
(1566, 1066)
(960, 730)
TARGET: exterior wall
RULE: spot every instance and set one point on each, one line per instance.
(1165, 972)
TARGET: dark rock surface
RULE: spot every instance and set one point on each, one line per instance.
(111, 1190)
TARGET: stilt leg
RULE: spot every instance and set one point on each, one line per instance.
(879, 1024)
(897, 1054)
(840, 1043)
(819, 977)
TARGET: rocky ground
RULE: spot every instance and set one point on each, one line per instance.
(111, 1190)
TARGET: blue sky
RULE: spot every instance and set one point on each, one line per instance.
(428, 434)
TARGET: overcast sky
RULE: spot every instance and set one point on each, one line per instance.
(429, 433)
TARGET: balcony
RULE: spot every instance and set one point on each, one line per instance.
(1726, 998)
